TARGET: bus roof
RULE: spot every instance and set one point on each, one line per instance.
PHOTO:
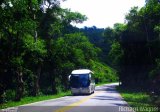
(81, 71)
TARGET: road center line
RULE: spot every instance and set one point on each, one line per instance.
(68, 107)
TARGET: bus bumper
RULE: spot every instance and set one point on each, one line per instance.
(81, 90)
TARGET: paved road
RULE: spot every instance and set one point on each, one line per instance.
(105, 99)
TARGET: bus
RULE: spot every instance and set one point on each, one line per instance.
(82, 81)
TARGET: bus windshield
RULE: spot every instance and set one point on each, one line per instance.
(80, 80)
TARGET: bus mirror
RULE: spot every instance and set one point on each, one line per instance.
(69, 77)
(90, 76)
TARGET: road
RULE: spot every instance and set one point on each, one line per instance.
(105, 99)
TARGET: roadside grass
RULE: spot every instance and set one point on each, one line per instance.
(136, 98)
(27, 100)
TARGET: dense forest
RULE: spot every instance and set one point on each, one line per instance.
(135, 49)
(39, 48)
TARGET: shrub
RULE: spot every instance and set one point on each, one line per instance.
(10, 95)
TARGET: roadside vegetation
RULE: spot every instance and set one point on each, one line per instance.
(137, 99)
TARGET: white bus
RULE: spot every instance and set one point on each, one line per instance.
(82, 82)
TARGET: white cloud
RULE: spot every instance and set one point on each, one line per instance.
(102, 13)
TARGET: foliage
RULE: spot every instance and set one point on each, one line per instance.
(39, 49)
(135, 46)
(96, 36)
(134, 52)
(116, 53)
(102, 72)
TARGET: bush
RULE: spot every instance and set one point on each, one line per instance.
(10, 95)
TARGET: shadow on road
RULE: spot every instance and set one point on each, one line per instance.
(108, 88)
(110, 95)
(106, 98)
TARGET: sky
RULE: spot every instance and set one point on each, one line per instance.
(102, 13)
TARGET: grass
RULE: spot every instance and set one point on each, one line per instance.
(27, 100)
(136, 98)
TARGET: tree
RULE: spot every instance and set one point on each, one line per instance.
(14, 25)
(139, 41)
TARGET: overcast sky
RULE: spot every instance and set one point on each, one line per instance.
(102, 13)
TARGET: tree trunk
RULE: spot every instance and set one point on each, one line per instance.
(54, 90)
(20, 85)
(2, 93)
(36, 82)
